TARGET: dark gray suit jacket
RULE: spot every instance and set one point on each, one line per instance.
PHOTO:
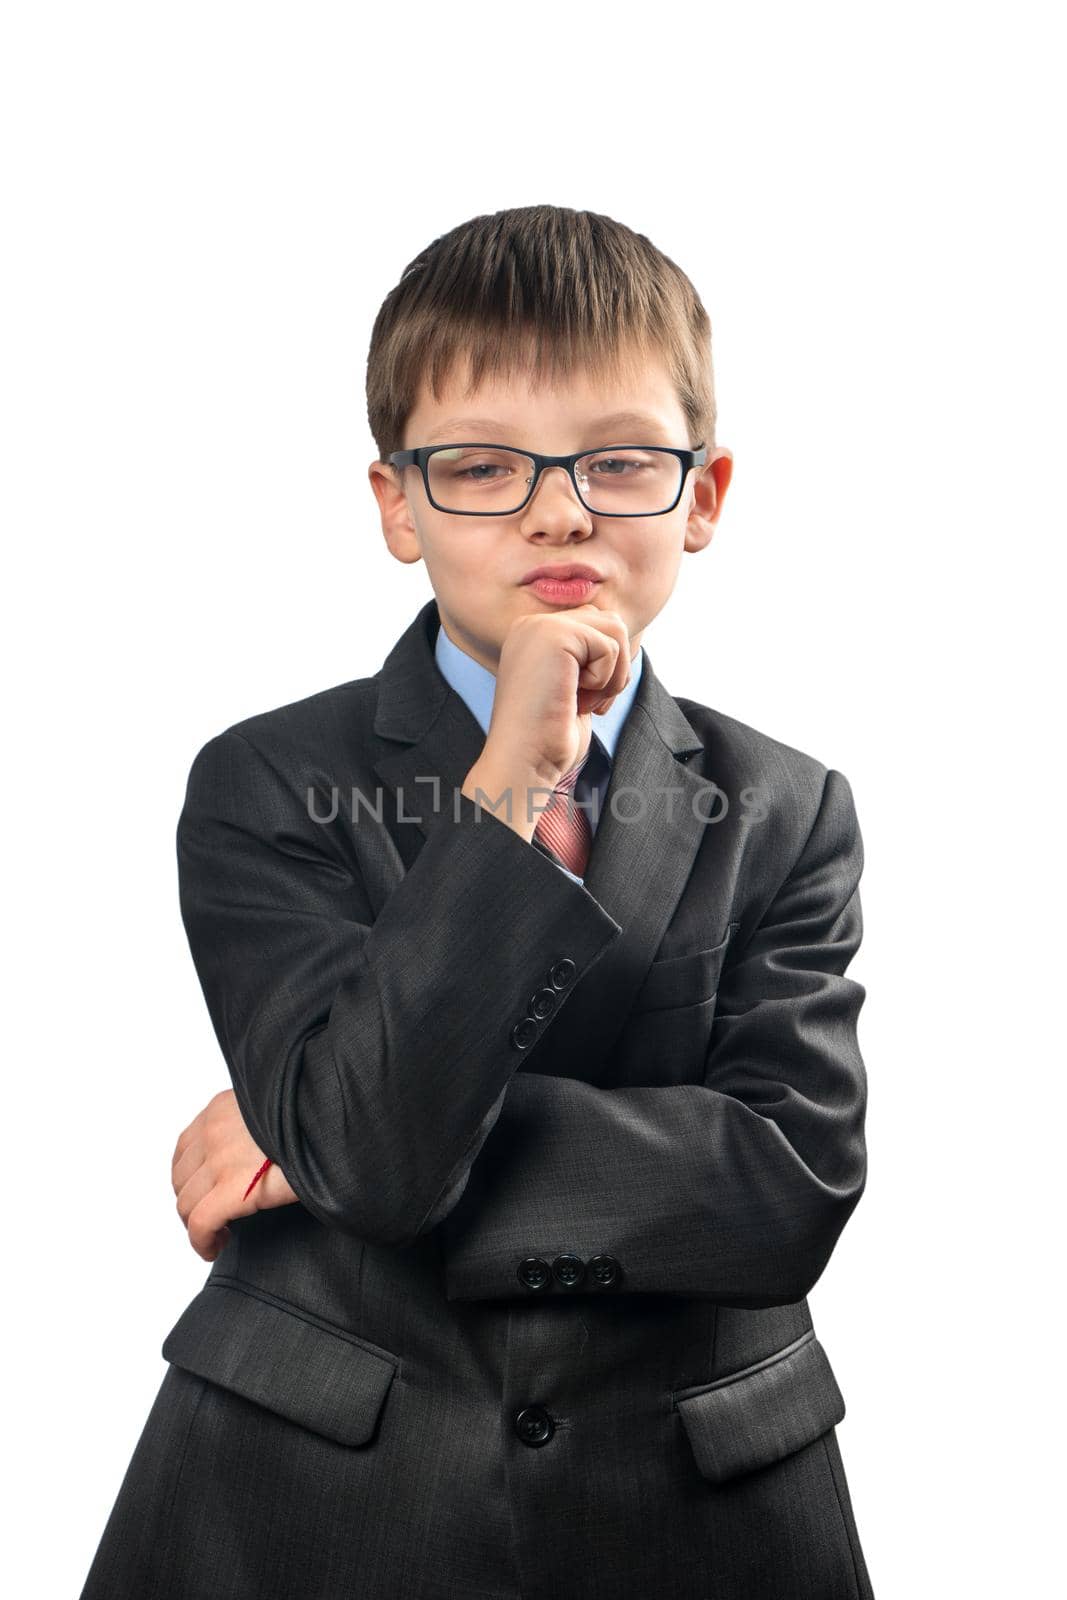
(570, 1159)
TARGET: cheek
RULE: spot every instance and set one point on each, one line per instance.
(654, 564)
(454, 561)
(650, 579)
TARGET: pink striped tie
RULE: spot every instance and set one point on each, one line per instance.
(564, 827)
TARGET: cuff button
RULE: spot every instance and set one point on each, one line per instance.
(543, 1003)
(534, 1273)
(524, 1033)
(569, 1271)
(605, 1272)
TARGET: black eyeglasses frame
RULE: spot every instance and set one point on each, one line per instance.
(420, 456)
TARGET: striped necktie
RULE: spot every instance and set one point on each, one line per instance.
(563, 826)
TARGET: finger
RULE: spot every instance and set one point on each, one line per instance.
(601, 647)
(613, 665)
(222, 1107)
(209, 1248)
(622, 667)
(222, 1239)
(609, 670)
(593, 700)
(193, 1191)
(183, 1166)
(206, 1224)
(187, 1133)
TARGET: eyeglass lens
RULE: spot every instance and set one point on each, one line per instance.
(629, 481)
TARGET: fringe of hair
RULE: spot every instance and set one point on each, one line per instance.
(542, 289)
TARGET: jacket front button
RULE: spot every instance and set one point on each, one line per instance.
(524, 1033)
(534, 1426)
(569, 1271)
(534, 1273)
(561, 972)
(605, 1272)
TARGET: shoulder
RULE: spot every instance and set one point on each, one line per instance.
(738, 747)
(315, 720)
(766, 779)
(326, 731)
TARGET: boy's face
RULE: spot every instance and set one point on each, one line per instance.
(478, 564)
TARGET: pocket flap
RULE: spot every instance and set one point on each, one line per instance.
(282, 1358)
(753, 1417)
(683, 980)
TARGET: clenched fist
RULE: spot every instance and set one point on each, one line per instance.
(214, 1161)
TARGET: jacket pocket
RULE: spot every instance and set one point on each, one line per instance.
(762, 1413)
(683, 980)
(283, 1358)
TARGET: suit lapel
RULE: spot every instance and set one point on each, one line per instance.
(651, 824)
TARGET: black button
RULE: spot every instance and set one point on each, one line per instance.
(534, 1273)
(561, 972)
(543, 1003)
(569, 1271)
(604, 1272)
(524, 1033)
(534, 1426)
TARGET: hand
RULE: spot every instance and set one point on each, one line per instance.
(554, 671)
(214, 1161)
(556, 668)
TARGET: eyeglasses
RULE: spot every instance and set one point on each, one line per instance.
(489, 480)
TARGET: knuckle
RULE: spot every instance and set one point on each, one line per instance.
(199, 1223)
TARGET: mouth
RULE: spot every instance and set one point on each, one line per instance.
(563, 582)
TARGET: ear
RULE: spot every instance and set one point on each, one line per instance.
(709, 491)
(398, 524)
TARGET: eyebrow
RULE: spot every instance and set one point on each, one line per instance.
(451, 431)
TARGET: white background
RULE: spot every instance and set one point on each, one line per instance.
(204, 207)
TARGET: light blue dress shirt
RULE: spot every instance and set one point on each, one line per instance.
(476, 686)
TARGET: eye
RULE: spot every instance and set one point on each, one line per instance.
(480, 472)
(620, 464)
(476, 466)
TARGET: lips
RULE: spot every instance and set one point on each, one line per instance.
(560, 572)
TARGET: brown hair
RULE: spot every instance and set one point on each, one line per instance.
(543, 288)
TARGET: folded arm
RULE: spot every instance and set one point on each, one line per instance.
(369, 1054)
(735, 1188)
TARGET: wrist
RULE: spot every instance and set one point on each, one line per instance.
(258, 1176)
(514, 791)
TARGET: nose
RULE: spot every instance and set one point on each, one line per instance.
(554, 503)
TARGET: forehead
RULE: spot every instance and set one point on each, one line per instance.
(640, 402)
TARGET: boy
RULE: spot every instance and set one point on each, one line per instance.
(547, 1103)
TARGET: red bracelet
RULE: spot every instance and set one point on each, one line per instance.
(256, 1179)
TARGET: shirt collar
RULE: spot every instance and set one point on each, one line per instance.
(476, 686)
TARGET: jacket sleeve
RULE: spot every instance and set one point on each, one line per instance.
(369, 1054)
(735, 1188)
